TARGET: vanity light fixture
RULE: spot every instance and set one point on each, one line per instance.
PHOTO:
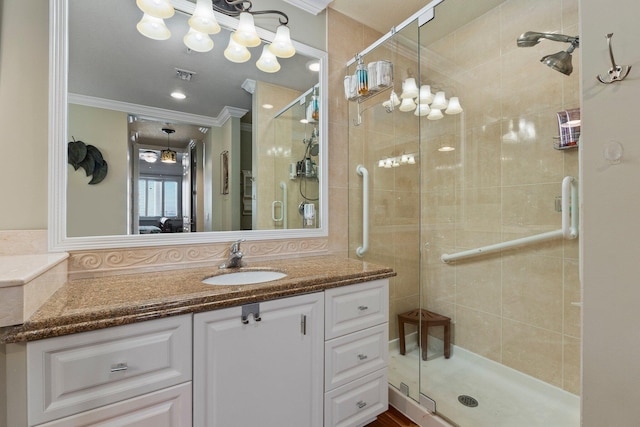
(203, 23)
(168, 155)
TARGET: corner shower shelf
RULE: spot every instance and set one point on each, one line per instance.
(361, 98)
(557, 146)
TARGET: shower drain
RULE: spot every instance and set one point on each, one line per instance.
(467, 401)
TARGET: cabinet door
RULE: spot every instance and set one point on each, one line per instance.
(267, 372)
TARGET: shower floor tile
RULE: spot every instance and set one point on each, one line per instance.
(506, 398)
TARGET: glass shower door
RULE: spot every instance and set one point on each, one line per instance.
(386, 143)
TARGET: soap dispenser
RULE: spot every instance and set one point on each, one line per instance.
(362, 77)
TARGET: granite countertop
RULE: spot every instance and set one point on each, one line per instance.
(89, 304)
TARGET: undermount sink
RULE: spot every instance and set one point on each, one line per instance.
(244, 277)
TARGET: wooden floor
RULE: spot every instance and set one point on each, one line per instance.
(392, 418)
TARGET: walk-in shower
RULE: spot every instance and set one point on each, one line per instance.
(515, 312)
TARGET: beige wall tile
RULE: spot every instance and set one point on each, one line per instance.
(532, 290)
(479, 332)
(534, 351)
(572, 296)
(479, 285)
(571, 365)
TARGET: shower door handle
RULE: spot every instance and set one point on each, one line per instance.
(364, 173)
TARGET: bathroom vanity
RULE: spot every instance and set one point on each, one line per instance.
(306, 350)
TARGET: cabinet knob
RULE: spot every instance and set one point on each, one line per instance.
(361, 404)
(363, 307)
(362, 356)
(119, 367)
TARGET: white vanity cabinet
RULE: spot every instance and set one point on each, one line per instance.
(356, 353)
(310, 360)
(261, 368)
(131, 375)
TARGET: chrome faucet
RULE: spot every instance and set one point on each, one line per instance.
(235, 255)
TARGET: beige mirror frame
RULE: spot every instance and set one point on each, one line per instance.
(58, 116)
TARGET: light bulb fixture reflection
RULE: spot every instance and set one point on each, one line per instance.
(281, 45)
(168, 155)
(407, 105)
(178, 95)
(439, 101)
(435, 114)
(446, 148)
(268, 62)
(246, 34)
(409, 88)
(422, 110)
(235, 52)
(153, 28)
(198, 41)
(157, 8)
(425, 97)
(149, 156)
(454, 106)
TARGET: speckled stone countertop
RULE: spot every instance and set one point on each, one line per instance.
(89, 304)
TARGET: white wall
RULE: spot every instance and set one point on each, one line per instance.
(23, 113)
(611, 231)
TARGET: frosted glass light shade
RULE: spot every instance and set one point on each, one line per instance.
(407, 105)
(235, 52)
(454, 106)
(409, 88)
(200, 42)
(246, 33)
(435, 114)
(203, 19)
(439, 101)
(268, 62)
(422, 110)
(425, 97)
(281, 45)
(157, 8)
(154, 28)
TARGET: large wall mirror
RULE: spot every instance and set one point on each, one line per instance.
(249, 146)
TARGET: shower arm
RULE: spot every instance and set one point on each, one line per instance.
(532, 38)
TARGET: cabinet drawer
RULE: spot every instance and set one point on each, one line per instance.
(352, 308)
(76, 373)
(355, 355)
(170, 407)
(358, 401)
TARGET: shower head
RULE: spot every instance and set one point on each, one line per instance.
(560, 61)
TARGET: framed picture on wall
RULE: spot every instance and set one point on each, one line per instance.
(224, 172)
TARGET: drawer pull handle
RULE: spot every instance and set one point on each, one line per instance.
(362, 356)
(119, 367)
(361, 404)
(363, 307)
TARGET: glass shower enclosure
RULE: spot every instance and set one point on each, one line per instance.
(459, 153)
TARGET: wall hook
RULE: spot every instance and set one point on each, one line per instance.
(617, 73)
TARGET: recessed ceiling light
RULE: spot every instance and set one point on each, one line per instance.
(313, 65)
(178, 95)
(267, 106)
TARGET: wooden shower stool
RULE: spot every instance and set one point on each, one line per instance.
(428, 319)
